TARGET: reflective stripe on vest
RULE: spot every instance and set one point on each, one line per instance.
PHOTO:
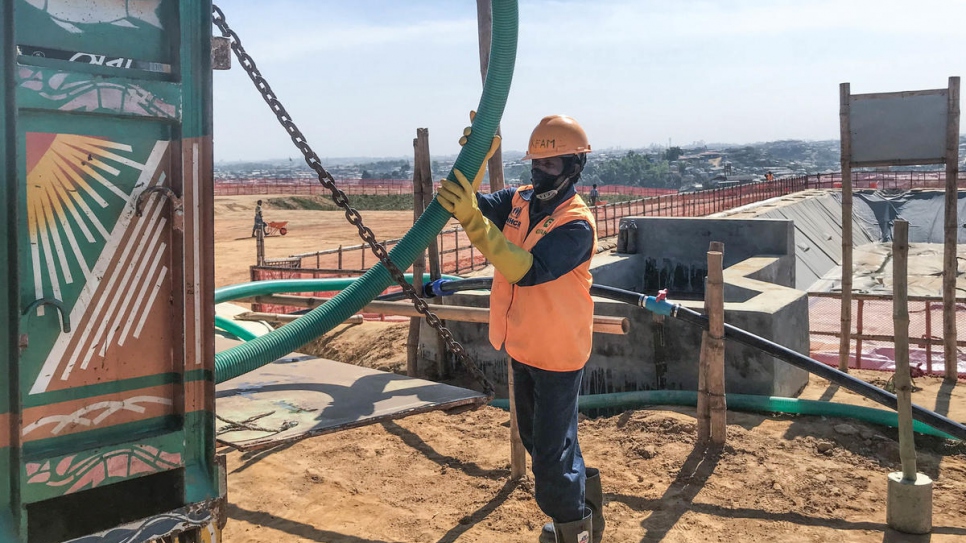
(547, 326)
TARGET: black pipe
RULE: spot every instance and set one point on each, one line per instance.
(785, 354)
(825, 371)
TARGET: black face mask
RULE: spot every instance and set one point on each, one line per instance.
(542, 181)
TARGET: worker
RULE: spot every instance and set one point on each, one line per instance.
(259, 223)
(594, 196)
(540, 239)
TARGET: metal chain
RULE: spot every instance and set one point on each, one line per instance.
(342, 201)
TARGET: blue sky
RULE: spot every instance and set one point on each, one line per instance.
(359, 76)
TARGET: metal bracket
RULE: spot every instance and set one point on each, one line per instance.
(178, 220)
(65, 318)
(220, 53)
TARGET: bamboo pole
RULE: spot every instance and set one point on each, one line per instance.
(484, 19)
(518, 453)
(900, 317)
(423, 165)
(419, 266)
(714, 340)
(603, 324)
(951, 228)
(846, 145)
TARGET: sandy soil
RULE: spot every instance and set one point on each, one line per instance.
(445, 478)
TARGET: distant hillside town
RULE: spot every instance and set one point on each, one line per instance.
(687, 168)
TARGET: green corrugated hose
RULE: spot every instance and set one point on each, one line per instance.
(265, 349)
(745, 402)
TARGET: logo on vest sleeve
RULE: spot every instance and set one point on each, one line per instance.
(510, 221)
(516, 211)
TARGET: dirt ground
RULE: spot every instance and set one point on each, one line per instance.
(308, 231)
(445, 478)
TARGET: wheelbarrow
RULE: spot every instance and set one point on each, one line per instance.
(275, 227)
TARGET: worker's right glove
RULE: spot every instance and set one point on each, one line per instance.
(460, 199)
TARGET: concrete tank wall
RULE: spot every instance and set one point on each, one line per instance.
(663, 353)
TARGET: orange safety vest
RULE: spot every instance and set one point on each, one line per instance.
(547, 326)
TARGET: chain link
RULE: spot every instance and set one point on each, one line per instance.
(341, 200)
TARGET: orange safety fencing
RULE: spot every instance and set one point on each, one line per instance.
(872, 339)
(457, 255)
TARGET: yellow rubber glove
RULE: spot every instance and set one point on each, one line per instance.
(460, 199)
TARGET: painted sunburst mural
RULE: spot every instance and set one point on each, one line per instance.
(66, 177)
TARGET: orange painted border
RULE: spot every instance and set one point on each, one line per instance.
(4, 430)
(150, 410)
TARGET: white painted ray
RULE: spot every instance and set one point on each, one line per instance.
(35, 261)
(145, 286)
(115, 294)
(48, 251)
(63, 194)
(154, 294)
(196, 242)
(67, 168)
(69, 233)
(130, 291)
(47, 205)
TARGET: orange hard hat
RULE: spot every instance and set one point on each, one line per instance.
(557, 135)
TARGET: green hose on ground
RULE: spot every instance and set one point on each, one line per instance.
(265, 349)
(745, 402)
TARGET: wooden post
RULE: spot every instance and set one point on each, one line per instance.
(340, 256)
(900, 317)
(846, 145)
(518, 454)
(260, 246)
(951, 228)
(714, 300)
(928, 336)
(860, 306)
(419, 266)
(484, 18)
(423, 165)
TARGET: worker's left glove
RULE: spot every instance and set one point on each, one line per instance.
(460, 199)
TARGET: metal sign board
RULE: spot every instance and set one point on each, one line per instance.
(898, 128)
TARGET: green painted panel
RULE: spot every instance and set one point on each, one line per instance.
(196, 73)
(10, 512)
(70, 91)
(142, 30)
(131, 431)
(56, 476)
(199, 375)
(201, 475)
(196, 76)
